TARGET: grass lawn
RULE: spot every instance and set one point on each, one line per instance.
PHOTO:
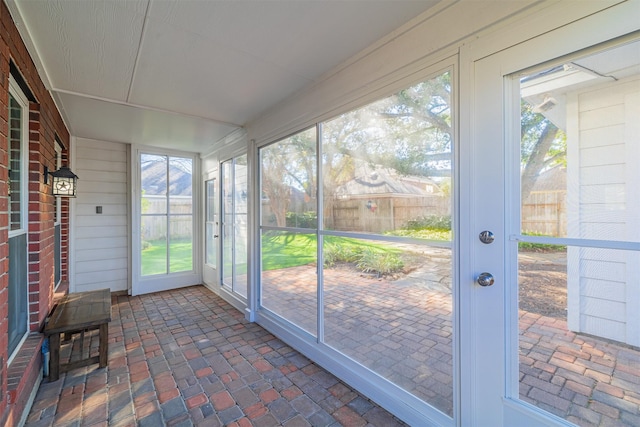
(279, 250)
(282, 250)
(154, 257)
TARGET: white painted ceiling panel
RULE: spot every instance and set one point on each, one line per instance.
(300, 36)
(186, 73)
(208, 79)
(87, 47)
(108, 121)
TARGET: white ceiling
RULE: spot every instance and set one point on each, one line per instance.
(186, 73)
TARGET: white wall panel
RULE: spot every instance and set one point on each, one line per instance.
(101, 240)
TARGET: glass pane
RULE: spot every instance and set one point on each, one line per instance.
(15, 163)
(210, 201)
(211, 225)
(591, 377)
(227, 222)
(227, 251)
(288, 182)
(580, 148)
(580, 306)
(180, 183)
(154, 245)
(388, 164)
(210, 232)
(180, 247)
(389, 307)
(18, 312)
(57, 253)
(289, 277)
(153, 170)
(241, 190)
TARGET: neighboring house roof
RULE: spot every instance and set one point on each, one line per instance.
(155, 179)
(375, 180)
(554, 179)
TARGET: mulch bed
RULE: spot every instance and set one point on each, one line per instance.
(543, 288)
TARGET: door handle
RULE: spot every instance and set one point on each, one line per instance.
(485, 279)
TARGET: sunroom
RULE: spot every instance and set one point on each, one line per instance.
(435, 201)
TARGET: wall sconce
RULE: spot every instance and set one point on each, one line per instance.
(63, 182)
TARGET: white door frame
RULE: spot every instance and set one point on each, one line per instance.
(156, 283)
(210, 273)
(489, 391)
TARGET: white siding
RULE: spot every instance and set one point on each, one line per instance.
(605, 289)
(101, 242)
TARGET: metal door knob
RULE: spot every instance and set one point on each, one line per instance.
(487, 237)
(485, 279)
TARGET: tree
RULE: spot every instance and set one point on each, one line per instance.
(409, 132)
(287, 165)
(542, 146)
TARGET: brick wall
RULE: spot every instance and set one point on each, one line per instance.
(45, 124)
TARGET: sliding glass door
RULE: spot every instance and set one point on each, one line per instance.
(235, 192)
(356, 220)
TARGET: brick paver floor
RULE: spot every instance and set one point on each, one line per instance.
(402, 331)
(186, 357)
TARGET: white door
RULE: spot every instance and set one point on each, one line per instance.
(211, 231)
(166, 242)
(554, 165)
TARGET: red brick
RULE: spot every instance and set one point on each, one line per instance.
(291, 393)
(167, 395)
(204, 372)
(222, 400)
(262, 366)
(164, 381)
(191, 353)
(268, 396)
(348, 417)
(146, 409)
(255, 411)
(197, 400)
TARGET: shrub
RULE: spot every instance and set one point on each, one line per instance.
(336, 252)
(381, 263)
(302, 220)
(432, 222)
(539, 247)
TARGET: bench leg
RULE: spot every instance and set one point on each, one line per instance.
(104, 344)
(54, 360)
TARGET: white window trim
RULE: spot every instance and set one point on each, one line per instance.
(18, 94)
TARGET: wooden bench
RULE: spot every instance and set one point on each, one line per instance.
(79, 312)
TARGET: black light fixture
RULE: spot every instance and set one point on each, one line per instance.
(63, 182)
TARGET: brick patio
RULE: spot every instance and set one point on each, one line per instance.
(402, 330)
(186, 357)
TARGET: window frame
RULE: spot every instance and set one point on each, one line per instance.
(18, 94)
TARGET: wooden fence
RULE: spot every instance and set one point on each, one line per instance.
(380, 214)
(545, 212)
(155, 227)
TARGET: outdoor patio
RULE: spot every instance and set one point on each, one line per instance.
(186, 357)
